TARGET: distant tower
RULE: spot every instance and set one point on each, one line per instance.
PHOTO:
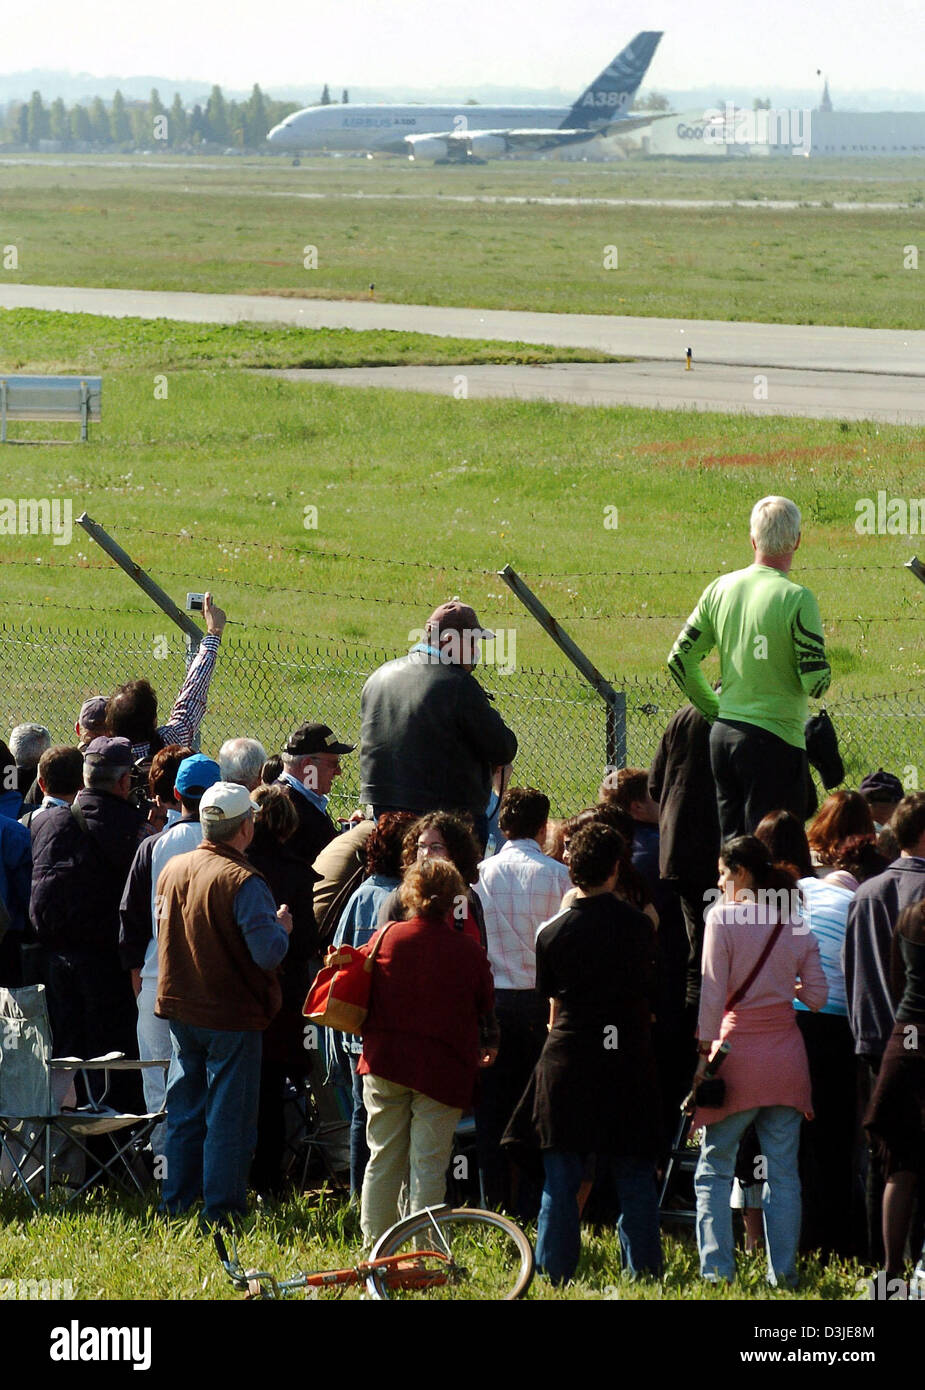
(826, 102)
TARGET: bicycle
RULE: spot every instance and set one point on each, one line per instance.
(455, 1252)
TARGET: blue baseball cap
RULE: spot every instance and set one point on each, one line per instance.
(196, 775)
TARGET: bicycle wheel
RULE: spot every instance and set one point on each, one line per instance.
(484, 1256)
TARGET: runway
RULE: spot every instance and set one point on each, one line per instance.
(656, 385)
(852, 373)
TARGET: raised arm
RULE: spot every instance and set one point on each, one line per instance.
(190, 704)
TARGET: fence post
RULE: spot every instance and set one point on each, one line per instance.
(615, 731)
(144, 581)
(917, 568)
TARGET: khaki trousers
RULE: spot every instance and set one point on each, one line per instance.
(404, 1130)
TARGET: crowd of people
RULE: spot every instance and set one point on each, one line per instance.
(704, 936)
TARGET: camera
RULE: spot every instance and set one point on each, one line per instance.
(194, 602)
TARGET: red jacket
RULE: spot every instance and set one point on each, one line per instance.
(431, 983)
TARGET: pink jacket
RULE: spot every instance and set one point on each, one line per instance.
(767, 1063)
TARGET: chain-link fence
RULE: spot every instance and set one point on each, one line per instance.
(262, 690)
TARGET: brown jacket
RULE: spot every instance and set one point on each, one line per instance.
(206, 976)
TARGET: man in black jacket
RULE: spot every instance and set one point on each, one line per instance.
(81, 857)
(430, 737)
(311, 761)
(681, 782)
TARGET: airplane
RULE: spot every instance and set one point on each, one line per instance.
(451, 134)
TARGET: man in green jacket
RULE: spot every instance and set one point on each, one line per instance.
(768, 632)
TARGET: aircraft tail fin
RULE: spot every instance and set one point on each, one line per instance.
(611, 94)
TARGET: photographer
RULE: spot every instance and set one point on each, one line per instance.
(132, 710)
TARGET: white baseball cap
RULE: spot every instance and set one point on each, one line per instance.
(225, 801)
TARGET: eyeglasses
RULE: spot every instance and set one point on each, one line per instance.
(437, 848)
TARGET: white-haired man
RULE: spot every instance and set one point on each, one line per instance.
(768, 633)
(241, 760)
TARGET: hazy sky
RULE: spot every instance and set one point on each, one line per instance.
(765, 43)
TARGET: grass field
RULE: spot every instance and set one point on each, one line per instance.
(243, 226)
(418, 495)
(115, 1249)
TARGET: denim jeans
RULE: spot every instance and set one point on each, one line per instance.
(212, 1093)
(153, 1045)
(778, 1129)
(558, 1240)
(359, 1149)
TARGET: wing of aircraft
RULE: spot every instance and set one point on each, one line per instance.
(468, 144)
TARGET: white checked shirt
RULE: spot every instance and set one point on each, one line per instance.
(519, 887)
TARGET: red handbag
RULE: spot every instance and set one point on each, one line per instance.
(339, 995)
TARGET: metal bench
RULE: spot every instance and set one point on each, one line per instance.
(50, 398)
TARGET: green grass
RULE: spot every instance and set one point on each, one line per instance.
(110, 1248)
(421, 496)
(834, 180)
(167, 226)
(31, 340)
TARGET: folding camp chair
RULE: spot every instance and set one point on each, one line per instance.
(317, 1135)
(36, 1124)
(676, 1202)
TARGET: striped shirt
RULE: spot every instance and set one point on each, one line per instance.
(190, 704)
(825, 912)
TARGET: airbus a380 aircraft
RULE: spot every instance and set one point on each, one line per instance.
(452, 132)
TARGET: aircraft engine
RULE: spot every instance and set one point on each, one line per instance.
(484, 143)
(428, 147)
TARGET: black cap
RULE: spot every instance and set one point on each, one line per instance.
(109, 752)
(882, 786)
(314, 738)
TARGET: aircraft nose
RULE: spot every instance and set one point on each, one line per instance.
(275, 135)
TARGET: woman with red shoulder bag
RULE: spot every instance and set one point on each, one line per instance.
(431, 984)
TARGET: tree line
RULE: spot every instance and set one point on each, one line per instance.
(149, 124)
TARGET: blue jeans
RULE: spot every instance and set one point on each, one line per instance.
(359, 1149)
(778, 1129)
(213, 1088)
(558, 1240)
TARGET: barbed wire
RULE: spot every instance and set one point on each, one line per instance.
(678, 618)
(468, 569)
